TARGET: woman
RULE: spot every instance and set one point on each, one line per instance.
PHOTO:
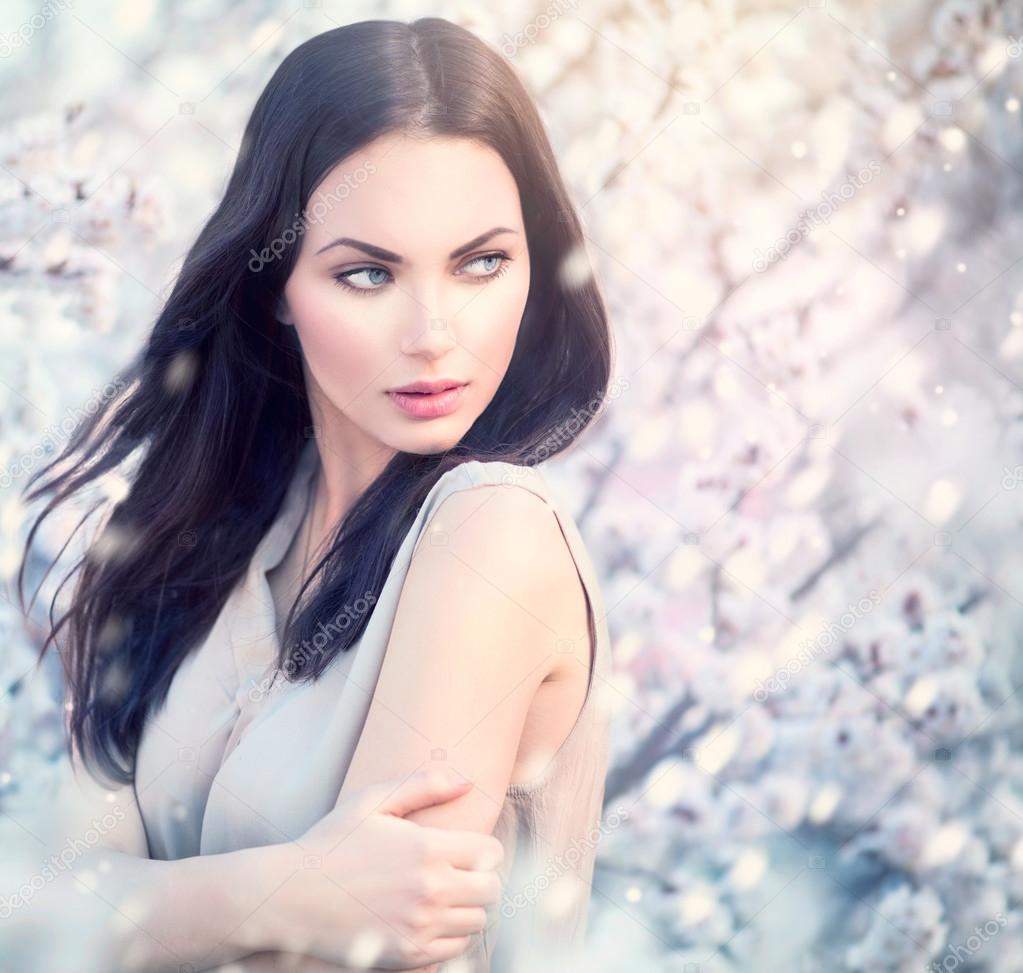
(337, 564)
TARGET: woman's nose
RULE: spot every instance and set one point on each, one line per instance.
(428, 334)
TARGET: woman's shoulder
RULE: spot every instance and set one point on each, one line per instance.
(522, 500)
(503, 507)
(497, 473)
(516, 499)
(505, 515)
(513, 516)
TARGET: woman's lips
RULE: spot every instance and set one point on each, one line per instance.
(428, 405)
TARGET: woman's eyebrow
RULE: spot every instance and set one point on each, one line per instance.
(381, 254)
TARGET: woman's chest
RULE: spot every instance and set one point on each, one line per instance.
(218, 771)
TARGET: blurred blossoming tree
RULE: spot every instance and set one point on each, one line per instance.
(805, 497)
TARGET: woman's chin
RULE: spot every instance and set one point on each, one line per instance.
(424, 442)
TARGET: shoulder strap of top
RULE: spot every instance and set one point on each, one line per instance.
(474, 473)
(498, 472)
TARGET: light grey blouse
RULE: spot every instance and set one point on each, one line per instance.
(228, 762)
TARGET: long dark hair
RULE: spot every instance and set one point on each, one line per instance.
(215, 415)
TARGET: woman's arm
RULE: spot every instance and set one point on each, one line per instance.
(491, 597)
(86, 889)
(363, 904)
(153, 916)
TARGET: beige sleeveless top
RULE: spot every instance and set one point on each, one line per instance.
(229, 762)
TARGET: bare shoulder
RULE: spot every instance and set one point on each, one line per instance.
(479, 664)
(514, 538)
(514, 526)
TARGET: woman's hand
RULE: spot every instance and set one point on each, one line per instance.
(372, 890)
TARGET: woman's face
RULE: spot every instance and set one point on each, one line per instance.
(413, 267)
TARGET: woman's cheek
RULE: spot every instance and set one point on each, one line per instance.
(497, 341)
(352, 362)
(342, 347)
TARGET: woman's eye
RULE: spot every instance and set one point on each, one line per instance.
(346, 277)
(490, 269)
(489, 272)
(365, 280)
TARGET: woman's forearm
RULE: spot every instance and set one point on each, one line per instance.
(397, 896)
(152, 916)
(278, 961)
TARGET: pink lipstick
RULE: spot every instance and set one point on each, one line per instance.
(428, 400)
